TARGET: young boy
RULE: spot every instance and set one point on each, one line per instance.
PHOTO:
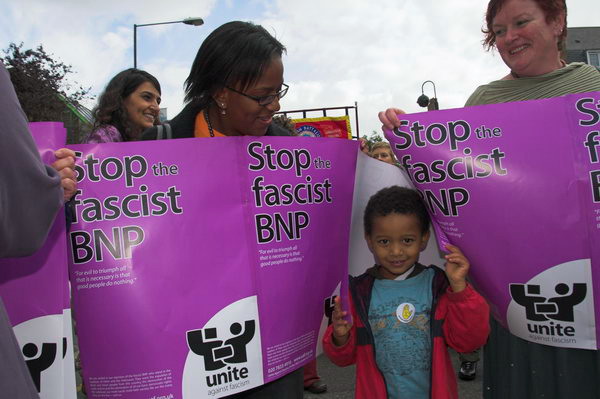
(405, 314)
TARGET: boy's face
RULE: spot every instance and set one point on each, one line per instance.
(396, 241)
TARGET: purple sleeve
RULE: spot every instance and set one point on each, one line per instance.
(15, 380)
(30, 192)
(104, 134)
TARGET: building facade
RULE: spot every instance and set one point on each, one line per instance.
(583, 45)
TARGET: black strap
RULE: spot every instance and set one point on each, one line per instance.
(436, 327)
(167, 130)
(362, 336)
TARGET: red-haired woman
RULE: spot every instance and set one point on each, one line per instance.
(529, 35)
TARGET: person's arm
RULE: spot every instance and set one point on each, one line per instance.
(341, 327)
(466, 325)
(30, 192)
(457, 267)
(339, 340)
(466, 319)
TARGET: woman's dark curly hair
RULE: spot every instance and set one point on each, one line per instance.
(110, 109)
(551, 8)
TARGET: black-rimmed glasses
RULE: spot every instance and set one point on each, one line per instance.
(264, 100)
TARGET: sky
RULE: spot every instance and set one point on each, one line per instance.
(376, 53)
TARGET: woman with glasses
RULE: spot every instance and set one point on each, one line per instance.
(233, 89)
(234, 86)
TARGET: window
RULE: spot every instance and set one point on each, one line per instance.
(593, 57)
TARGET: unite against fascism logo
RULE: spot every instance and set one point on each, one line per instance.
(555, 307)
(224, 355)
(218, 354)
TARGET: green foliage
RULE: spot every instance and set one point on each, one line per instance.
(43, 88)
(375, 137)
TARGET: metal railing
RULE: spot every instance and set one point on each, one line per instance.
(346, 109)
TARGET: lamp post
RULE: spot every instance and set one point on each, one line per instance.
(187, 21)
(424, 101)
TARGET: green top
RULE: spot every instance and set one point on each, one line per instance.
(576, 77)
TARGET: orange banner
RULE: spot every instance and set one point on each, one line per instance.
(328, 126)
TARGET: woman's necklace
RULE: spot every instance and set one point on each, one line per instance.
(210, 128)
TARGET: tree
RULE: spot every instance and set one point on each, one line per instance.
(375, 137)
(43, 89)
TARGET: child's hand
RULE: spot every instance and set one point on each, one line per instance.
(457, 268)
(341, 327)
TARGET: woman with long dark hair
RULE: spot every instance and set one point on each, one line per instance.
(234, 85)
(128, 106)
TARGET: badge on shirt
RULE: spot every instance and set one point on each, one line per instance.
(405, 312)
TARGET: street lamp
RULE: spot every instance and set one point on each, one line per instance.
(424, 101)
(187, 21)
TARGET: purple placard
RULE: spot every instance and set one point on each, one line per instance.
(179, 288)
(48, 137)
(300, 186)
(513, 185)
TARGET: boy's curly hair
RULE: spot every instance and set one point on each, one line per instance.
(396, 199)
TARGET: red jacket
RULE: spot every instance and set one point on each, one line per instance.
(461, 321)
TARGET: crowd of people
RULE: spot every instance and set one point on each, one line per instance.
(235, 89)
